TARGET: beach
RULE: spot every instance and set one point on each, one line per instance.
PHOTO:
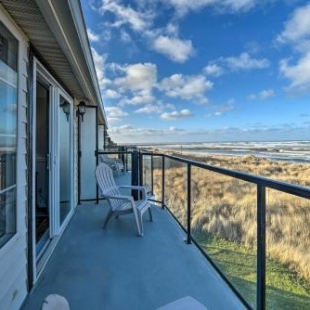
(289, 151)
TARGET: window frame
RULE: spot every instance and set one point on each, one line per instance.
(12, 216)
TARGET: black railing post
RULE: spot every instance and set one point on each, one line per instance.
(261, 247)
(189, 204)
(152, 174)
(141, 179)
(79, 158)
(163, 183)
(135, 172)
(97, 187)
(122, 156)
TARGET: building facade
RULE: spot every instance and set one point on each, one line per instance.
(47, 74)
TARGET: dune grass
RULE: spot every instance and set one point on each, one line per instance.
(238, 263)
(225, 208)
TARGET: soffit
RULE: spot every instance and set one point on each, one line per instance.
(29, 18)
(61, 51)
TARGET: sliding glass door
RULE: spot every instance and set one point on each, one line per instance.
(42, 164)
(52, 162)
(65, 158)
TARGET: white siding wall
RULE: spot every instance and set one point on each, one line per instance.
(13, 255)
(76, 158)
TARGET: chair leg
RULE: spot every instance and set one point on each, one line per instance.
(138, 218)
(107, 218)
(150, 214)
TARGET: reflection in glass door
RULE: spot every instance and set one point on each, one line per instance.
(65, 162)
(42, 206)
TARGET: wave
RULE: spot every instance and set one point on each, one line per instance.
(290, 151)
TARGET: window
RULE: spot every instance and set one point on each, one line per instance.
(8, 133)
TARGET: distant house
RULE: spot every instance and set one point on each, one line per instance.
(47, 148)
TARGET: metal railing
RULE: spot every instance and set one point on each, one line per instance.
(261, 184)
(143, 165)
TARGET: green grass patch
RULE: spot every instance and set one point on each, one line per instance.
(284, 290)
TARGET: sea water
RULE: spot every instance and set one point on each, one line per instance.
(290, 151)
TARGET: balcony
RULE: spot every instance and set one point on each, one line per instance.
(116, 269)
(228, 220)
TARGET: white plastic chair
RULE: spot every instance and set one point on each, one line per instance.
(121, 204)
(115, 164)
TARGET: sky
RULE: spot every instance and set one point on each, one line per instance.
(202, 70)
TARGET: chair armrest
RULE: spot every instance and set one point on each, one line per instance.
(117, 197)
(126, 198)
(140, 188)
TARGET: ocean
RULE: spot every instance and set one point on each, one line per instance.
(290, 151)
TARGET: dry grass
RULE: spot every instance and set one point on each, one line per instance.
(226, 207)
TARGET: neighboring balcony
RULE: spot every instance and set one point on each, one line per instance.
(214, 237)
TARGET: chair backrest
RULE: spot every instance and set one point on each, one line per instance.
(104, 158)
(106, 183)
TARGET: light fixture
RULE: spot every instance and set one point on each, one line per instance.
(81, 109)
(66, 108)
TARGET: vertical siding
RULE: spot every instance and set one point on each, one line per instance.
(13, 256)
(76, 159)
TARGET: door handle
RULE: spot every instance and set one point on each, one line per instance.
(48, 162)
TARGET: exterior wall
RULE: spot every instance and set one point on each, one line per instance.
(76, 158)
(13, 255)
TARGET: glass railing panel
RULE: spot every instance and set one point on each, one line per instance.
(223, 223)
(147, 172)
(157, 177)
(176, 189)
(288, 251)
(128, 161)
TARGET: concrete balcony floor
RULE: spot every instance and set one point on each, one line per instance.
(115, 269)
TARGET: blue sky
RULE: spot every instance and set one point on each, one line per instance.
(202, 70)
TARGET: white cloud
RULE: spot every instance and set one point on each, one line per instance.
(262, 95)
(125, 36)
(299, 74)
(110, 93)
(186, 87)
(174, 48)
(252, 97)
(221, 109)
(244, 62)
(250, 132)
(140, 76)
(182, 7)
(157, 107)
(213, 70)
(114, 114)
(93, 37)
(266, 94)
(297, 33)
(149, 109)
(126, 15)
(172, 29)
(126, 133)
(99, 61)
(176, 114)
(163, 40)
(297, 28)
(140, 97)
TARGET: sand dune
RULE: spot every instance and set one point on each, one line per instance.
(226, 207)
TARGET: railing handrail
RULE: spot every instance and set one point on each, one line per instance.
(289, 188)
(113, 152)
(262, 184)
